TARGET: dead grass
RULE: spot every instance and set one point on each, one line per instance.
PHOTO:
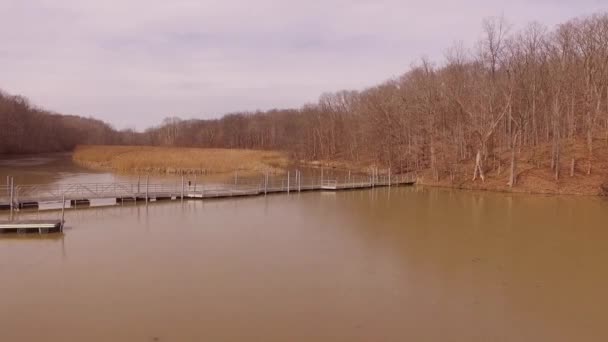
(151, 159)
(534, 174)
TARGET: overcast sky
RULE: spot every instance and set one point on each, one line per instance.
(134, 62)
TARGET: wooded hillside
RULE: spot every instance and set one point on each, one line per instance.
(513, 91)
(27, 129)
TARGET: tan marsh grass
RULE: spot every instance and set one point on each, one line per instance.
(173, 160)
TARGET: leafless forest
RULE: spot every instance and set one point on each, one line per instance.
(27, 129)
(476, 112)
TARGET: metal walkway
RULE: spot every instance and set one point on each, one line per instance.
(22, 197)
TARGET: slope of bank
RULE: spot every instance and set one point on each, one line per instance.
(534, 172)
(152, 159)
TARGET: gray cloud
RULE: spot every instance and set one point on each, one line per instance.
(135, 62)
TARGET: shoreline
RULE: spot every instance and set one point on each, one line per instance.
(512, 192)
(592, 186)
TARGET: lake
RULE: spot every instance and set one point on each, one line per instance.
(398, 264)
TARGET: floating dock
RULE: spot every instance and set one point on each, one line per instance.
(31, 226)
(38, 197)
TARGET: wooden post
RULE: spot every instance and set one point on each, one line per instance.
(287, 181)
(299, 181)
(138, 183)
(195, 183)
(8, 185)
(266, 183)
(389, 177)
(147, 182)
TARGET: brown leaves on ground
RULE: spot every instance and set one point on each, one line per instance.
(534, 173)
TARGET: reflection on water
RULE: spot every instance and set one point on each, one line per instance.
(48, 169)
(35, 238)
(60, 169)
(401, 264)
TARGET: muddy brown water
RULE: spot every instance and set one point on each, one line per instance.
(60, 170)
(400, 264)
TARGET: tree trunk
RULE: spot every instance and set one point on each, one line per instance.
(478, 167)
(557, 160)
(513, 171)
(590, 150)
(434, 162)
(572, 168)
(513, 177)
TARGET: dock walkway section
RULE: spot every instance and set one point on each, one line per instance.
(31, 226)
(38, 197)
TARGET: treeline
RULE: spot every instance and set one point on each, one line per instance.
(27, 129)
(514, 90)
(529, 88)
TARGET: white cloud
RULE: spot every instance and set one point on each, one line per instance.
(134, 62)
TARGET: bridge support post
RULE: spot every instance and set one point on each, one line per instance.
(12, 194)
(147, 182)
(321, 176)
(375, 176)
(62, 213)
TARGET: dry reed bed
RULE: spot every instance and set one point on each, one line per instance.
(171, 160)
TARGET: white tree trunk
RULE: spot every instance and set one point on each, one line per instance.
(512, 176)
(478, 167)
